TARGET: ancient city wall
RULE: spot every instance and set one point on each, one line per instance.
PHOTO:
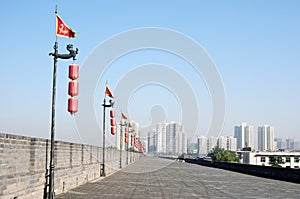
(284, 174)
(23, 164)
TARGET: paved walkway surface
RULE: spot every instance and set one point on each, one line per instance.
(152, 177)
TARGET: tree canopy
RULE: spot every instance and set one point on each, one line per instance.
(275, 161)
(222, 155)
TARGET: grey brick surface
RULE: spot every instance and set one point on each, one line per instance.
(160, 178)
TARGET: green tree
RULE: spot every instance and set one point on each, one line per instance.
(222, 155)
(275, 161)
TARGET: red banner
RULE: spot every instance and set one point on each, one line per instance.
(62, 29)
(108, 92)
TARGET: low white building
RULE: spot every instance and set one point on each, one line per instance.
(289, 159)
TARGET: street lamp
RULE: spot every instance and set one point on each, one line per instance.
(111, 104)
(130, 131)
(56, 56)
(121, 140)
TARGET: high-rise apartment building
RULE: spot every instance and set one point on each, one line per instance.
(222, 142)
(231, 143)
(206, 144)
(202, 146)
(244, 135)
(151, 142)
(175, 138)
(161, 135)
(265, 138)
(211, 143)
(290, 143)
(167, 138)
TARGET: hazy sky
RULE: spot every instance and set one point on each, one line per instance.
(253, 44)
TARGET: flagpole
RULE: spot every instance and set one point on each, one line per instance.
(121, 142)
(127, 144)
(72, 54)
(111, 103)
(52, 143)
(55, 23)
(102, 168)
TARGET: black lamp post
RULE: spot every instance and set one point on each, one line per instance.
(111, 104)
(50, 175)
(121, 140)
(127, 156)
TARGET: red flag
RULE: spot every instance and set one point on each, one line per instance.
(123, 116)
(108, 92)
(62, 29)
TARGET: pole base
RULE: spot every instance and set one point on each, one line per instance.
(102, 170)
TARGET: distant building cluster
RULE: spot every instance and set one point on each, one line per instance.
(269, 151)
(206, 144)
(288, 144)
(244, 136)
(266, 140)
(244, 139)
(167, 138)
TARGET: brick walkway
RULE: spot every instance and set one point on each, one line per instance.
(160, 178)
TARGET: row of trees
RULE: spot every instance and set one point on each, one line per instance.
(222, 155)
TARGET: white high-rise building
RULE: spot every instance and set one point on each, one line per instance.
(265, 138)
(222, 142)
(151, 142)
(181, 141)
(161, 134)
(202, 146)
(206, 144)
(175, 138)
(231, 143)
(211, 143)
(244, 135)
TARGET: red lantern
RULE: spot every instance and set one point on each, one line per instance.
(72, 105)
(112, 113)
(113, 130)
(73, 71)
(112, 122)
(126, 137)
(73, 88)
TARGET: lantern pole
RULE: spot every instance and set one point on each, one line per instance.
(102, 167)
(56, 56)
(121, 143)
(127, 144)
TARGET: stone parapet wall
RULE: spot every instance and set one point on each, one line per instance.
(23, 165)
(277, 173)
